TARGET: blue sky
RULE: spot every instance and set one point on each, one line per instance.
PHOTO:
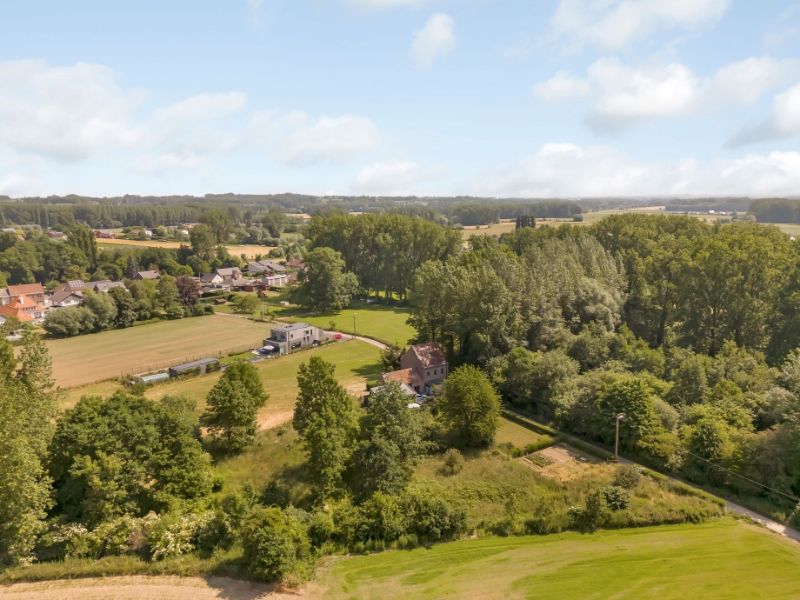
(485, 97)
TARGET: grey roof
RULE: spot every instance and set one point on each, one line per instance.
(64, 293)
(207, 277)
(195, 364)
(104, 285)
(292, 327)
(149, 274)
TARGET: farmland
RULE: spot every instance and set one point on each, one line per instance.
(250, 251)
(109, 354)
(356, 362)
(719, 559)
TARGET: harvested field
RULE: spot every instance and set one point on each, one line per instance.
(110, 354)
(249, 250)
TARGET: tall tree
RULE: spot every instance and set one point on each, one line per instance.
(470, 406)
(390, 443)
(326, 285)
(325, 418)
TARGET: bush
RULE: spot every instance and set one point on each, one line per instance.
(616, 497)
(174, 534)
(592, 515)
(276, 544)
(431, 518)
(627, 476)
(453, 462)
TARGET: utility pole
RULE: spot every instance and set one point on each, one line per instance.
(354, 324)
(620, 416)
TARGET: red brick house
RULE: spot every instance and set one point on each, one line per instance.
(422, 366)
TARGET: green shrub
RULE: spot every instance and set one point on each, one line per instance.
(276, 544)
(616, 497)
(627, 476)
(453, 462)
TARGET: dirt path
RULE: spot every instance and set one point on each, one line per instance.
(147, 588)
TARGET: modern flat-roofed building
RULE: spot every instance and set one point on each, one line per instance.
(293, 337)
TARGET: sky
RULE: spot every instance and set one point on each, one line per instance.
(534, 98)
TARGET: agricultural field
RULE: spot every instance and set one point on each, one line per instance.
(249, 250)
(384, 323)
(356, 364)
(109, 354)
(719, 559)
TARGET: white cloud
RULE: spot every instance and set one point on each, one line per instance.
(328, 139)
(255, 12)
(67, 113)
(569, 170)
(204, 106)
(393, 178)
(783, 122)
(624, 95)
(746, 80)
(629, 94)
(561, 86)
(615, 23)
(436, 38)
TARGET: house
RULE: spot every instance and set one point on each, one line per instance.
(293, 337)
(103, 286)
(25, 309)
(212, 280)
(56, 235)
(147, 275)
(296, 264)
(422, 366)
(244, 285)
(104, 235)
(229, 274)
(34, 292)
(66, 297)
(5, 298)
(277, 280)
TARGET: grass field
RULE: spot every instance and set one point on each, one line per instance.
(109, 354)
(719, 559)
(356, 363)
(512, 433)
(250, 251)
(384, 323)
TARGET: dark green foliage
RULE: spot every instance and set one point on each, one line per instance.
(616, 497)
(276, 544)
(232, 407)
(470, 407)
(325, 418)
(124, 454)
(627, 476)
(390, 444)
(326, 285)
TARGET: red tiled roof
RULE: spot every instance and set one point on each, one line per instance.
(25, 289)
(406, 376)
(429, 354)
(20, 307)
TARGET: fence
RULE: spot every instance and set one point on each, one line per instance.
(145, 368)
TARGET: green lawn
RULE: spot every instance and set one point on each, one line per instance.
(110, 354)
(384, 323)
(719, 559)
(518, 436)
(356, 362)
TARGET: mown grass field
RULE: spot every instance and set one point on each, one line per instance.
(356, 363)
(719, 559)
(249, 250)
(384, 323)
(109, 354)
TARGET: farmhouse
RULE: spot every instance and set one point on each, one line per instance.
(293, 337)
(34, 292)
(229, 274)
(276, 280)
(265, 266)
(24, 308)
(66, 297)
(422, 366)
(212, 280)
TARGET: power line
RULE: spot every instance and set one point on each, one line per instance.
(739, 475)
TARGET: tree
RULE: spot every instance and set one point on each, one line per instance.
(470, 406)
(27, 408)
(168, 297)
(203, 242)
(325, 418)
(126, 307)
(275, 543)
(103, 309)
(390, 443)
(132, 267)
(124, 454)
(188, 291)
(233, 404)
(69, 321)
(82, 238)
(245, 304)
(326, 285)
